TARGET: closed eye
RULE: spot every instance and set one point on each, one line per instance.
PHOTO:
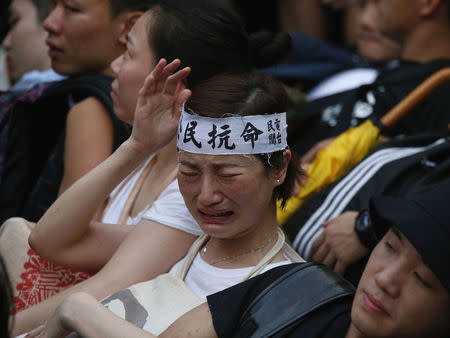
(229, 175)
(188, 173)
(423, 281)
(71, 9)
(389, 246)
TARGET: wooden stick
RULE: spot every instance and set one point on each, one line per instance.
(417, 95)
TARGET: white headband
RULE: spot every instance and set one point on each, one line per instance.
(256, 134)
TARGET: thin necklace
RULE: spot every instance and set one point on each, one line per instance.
(247, 252)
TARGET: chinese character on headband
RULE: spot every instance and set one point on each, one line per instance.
(251, 133)
(189, 134)
(223, 137)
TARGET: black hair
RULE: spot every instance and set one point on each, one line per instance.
(210, 37)
(120, 6)
(6, 300)
(247, 94)
(4, 14)
(43, 8)
(447, 4)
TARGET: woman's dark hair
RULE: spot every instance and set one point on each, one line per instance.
(6, 300)
(210, 37)
(247, 94)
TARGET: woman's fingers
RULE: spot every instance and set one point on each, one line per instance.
(183, 96)
(162, 78)
(151, 81)
(172, 85)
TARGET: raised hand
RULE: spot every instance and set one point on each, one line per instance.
(159, 106)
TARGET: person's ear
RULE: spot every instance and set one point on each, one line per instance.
(428, 7)
(280, 174)
(126, 21)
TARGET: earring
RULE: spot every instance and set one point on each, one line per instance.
(277, 180)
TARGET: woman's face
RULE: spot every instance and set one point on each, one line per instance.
(131, 69)
(398, 295)
(228, 195)
(83, 36)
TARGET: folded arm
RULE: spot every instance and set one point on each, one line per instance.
(83, 314)
(148, 251)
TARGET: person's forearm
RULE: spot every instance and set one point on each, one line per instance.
(38, 314)
(71, 214)
(83, 314)
(95, 249)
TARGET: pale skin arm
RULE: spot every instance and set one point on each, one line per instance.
(85, 245)
(147, 252)
(88, 142)
(81, 313)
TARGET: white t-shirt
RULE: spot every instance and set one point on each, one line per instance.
(168, 209)
(204, 279)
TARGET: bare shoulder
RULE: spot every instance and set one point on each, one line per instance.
(87, 111)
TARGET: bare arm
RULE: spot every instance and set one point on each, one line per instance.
(69, 218)
(82, 313)
(89, 140)
(148, 251)
(65, 233)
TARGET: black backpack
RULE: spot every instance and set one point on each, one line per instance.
(278, 307)
(33, 160)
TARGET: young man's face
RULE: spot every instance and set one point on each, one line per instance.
(371, 44)
(83, 36)
(398, 295)
(397, 17)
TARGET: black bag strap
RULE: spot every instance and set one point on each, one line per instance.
(280, 304)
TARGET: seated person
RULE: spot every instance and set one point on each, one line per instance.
(27, 61)
(322, 69)
(48, 135)
(378, 50)
(144, 194)
(323, 228)
(404, 291)
(424, 51)
(387, 168)
(230, 178)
